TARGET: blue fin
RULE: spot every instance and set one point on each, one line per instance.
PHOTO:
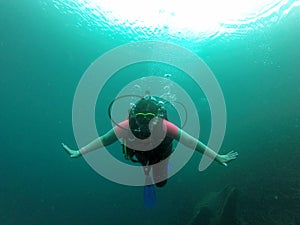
(149, 196)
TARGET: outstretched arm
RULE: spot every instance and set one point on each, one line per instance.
(107, 139)
(191, 142)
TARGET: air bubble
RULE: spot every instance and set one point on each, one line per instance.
(137, 86)
(166, 88)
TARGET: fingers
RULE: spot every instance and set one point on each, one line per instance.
(66, 148)
(232, 154)
(72, 153)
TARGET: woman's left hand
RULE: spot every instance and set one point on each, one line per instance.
(224, 159)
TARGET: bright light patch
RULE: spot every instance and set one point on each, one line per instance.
(181, 17)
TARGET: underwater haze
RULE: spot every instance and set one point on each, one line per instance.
(46, 47)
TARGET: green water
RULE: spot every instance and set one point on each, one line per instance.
(44, 53)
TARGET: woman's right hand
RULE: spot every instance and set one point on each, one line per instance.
(72, 153)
